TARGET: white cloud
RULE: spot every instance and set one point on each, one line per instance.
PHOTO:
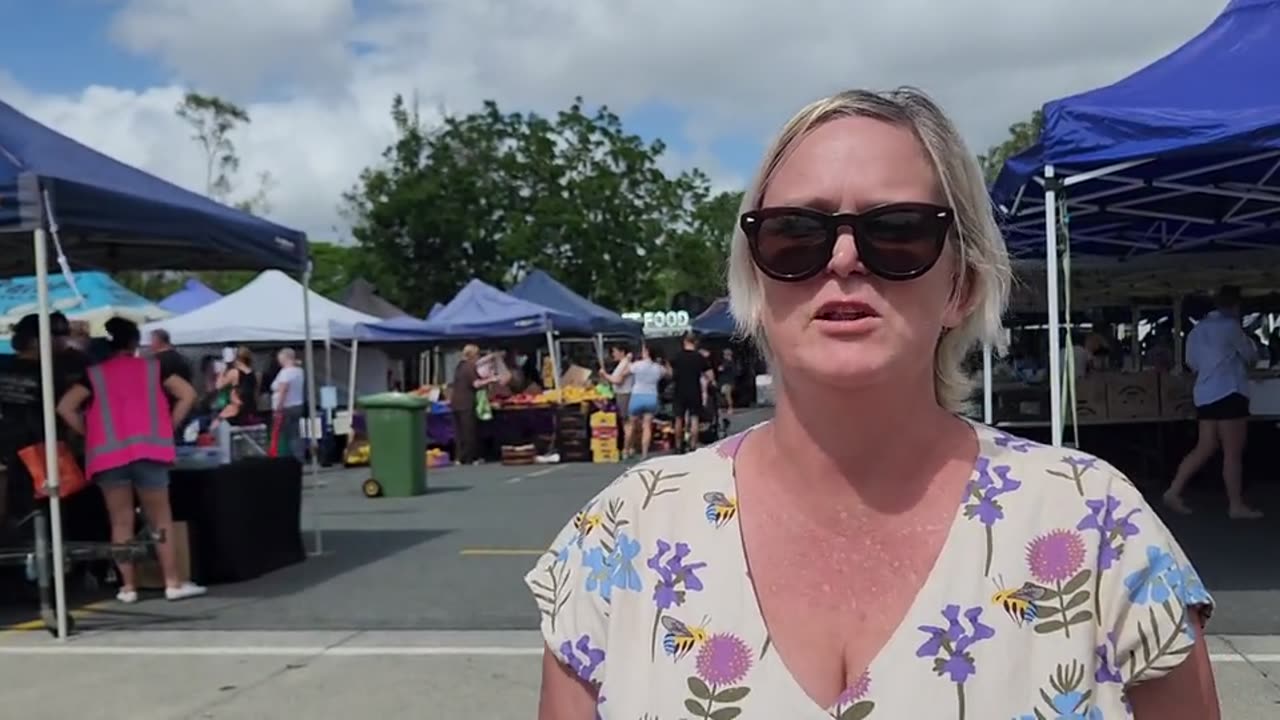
(738, 69)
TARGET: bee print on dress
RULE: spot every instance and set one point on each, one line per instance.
(682, 638)
(1020, 603)
(720, 508)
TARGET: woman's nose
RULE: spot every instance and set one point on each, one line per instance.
(844, 256)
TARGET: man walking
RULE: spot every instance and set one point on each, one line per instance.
(688, 370)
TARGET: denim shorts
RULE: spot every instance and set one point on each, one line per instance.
(141, 474)
(642, 404)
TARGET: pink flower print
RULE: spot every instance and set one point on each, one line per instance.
(728, 448)
(1055, 556)
(724, 659)
(855, 692)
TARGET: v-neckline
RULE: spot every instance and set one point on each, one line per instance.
(916, 606)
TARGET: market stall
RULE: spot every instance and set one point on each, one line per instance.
(1175, 163)
(68, 201)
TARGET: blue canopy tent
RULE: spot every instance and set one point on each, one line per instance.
(716, 320)
(435, 310)
(1180, 158)
(110, 216)
(193, 296)
(540, 288)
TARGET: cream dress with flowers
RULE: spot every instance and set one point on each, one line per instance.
(1057, 587)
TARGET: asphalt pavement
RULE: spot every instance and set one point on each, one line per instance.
(415, 607)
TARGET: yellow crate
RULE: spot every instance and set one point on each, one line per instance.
(604, 419)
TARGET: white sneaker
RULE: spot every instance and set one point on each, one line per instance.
(128, 597)
(184, 591)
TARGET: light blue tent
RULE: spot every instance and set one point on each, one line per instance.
(93, 297)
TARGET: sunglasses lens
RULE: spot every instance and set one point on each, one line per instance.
(791, 245)
(903, 241)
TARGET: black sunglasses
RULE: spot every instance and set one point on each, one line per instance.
(900, 241)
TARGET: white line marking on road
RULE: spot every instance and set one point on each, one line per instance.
(370, 651)
(267, 651)
(535, 474)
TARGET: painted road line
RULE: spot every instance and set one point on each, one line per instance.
(38, 624)
(372, 651)
(500, 552)
(535, 474)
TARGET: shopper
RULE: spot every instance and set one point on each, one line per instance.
(288, 403)
(128, 428)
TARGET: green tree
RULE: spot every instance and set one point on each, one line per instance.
(492, 195)
(212, 121)
(698, 253)
(1022, 135)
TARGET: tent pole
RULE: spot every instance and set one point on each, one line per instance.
(988, 399)
(311, 405)
(1055, 322)
(555, 359)
(50, 432)
(351, 377)
(600, 347)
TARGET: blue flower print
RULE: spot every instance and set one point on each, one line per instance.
(1072, 705)
(1157, 582)
(676, 576)
(949, 647)
(600, 577)
(988, 484)
(1112, 528)
(625, 575)
(582, 658)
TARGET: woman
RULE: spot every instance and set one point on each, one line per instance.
(643, 404)
(128, 430)
(868, 552)
(622, 383)
(239, 385)
(466, 384)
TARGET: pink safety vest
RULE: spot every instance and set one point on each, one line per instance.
(129, 419)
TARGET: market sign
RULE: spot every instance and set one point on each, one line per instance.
(661, 323)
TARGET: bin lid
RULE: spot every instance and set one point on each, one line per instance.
(394, 400)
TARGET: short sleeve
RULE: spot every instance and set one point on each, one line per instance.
(1153, 601)
(573, 597)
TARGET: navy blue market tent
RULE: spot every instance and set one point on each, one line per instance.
(716, 320)
(435, 310)
(540, 288)
(111, 216)
(481, 311)
(1182, 156)
(403, 329)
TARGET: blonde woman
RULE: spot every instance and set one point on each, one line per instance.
(869, 552)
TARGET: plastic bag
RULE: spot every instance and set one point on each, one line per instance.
(484, 410)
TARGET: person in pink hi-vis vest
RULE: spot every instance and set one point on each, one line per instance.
(129, 445)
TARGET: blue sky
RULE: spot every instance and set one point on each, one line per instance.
(709, 79)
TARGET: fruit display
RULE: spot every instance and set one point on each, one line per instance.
(437, 458)
(357, 454)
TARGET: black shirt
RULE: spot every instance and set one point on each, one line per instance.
(172, 363)
(686, 370)
(21, 416)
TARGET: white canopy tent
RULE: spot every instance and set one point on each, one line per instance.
(265, 310)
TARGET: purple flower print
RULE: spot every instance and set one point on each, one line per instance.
(949, 647)
(1013, 442)
(1055, 556)
(989, 483)
(1113, 529)
(723, 660)
(1079, 465)
(852, 702)
(1108, 670)
(582, 658)
(676, 578)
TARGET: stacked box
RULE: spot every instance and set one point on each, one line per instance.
(604, 437)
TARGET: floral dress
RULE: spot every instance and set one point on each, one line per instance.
(1056, 588)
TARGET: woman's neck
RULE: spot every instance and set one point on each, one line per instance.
(884, 443)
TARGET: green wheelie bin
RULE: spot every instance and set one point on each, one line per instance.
(397, 424)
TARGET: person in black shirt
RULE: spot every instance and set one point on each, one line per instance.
(688, 368)
(172, 363)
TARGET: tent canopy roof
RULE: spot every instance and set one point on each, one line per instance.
(1182, 156)
(481, 311)
(193, 294)
(268, 309)
(112, 216)
(539, 287)
(716, 320)
(363, 296)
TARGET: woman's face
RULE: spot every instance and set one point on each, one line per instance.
(851, 165)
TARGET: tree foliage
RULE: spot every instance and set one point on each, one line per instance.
(492, 195)
(1022, 135)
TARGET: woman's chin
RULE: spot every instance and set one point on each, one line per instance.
(843, 371)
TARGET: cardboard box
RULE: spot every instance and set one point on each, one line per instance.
(1091, 398)
(1024, 403)
(1176, 400)
(1133, 396)
(149, 575)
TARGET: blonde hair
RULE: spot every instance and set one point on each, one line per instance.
(984, 274)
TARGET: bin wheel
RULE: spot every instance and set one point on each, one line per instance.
(372, 488)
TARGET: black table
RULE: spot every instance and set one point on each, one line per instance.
(244, 519)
